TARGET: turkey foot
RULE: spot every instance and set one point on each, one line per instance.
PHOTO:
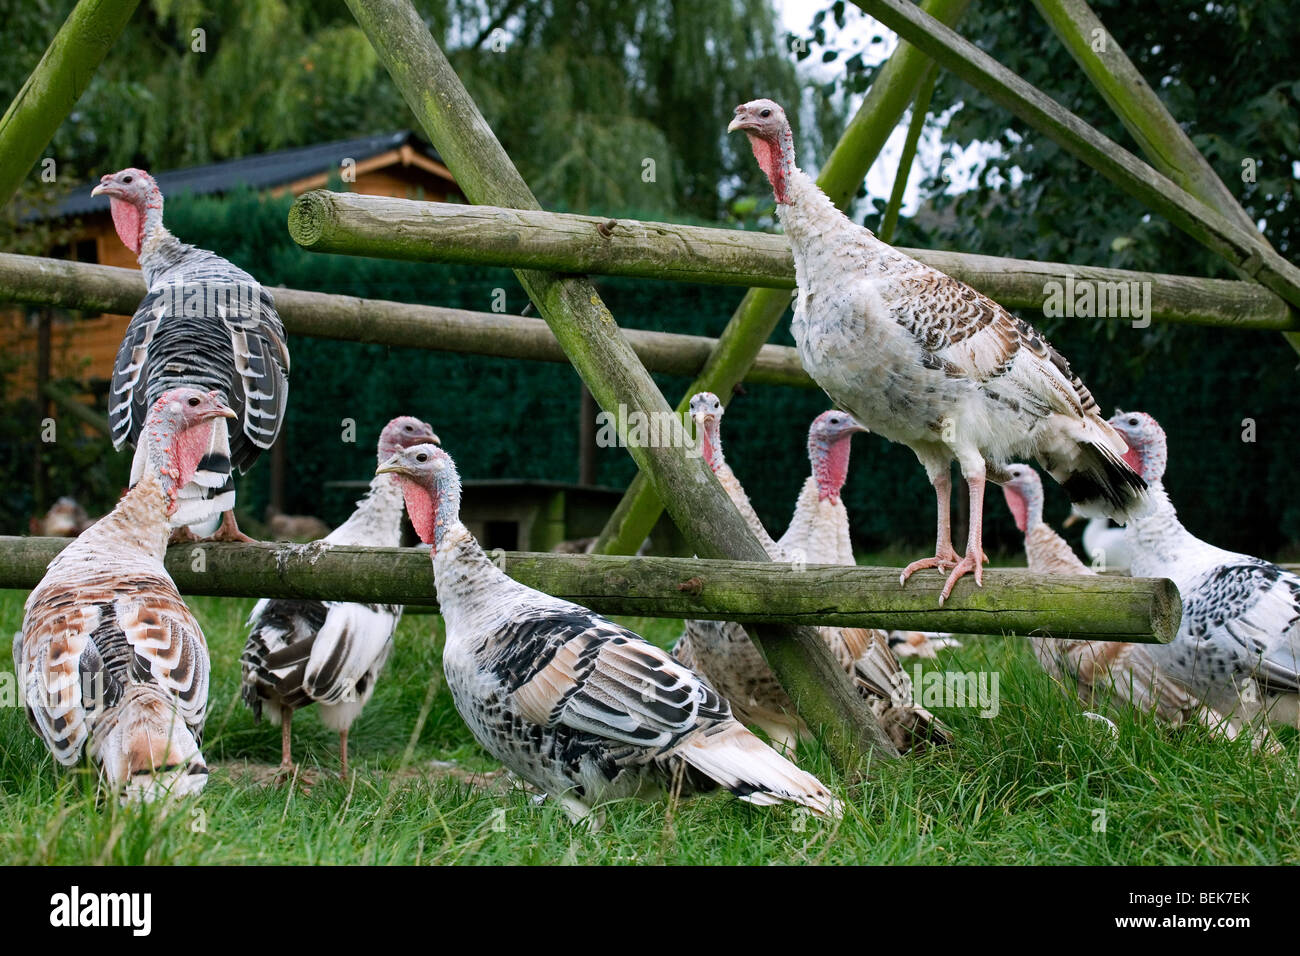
(228, 530)
(182, 535)
(965, 566)
(941, 561)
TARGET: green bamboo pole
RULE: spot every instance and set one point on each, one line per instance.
(1098, 607)
(56, 84)
(760, 310)
(914, 129)
(615, 377)
(1241, 247)
(1122, 85)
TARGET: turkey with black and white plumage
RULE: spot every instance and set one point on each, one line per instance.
(1137, 674)
(578, 706)
(1238, 646)
(923, 359)
(301, 652)
(819, 528)
(111, 661)
(863, 652)
(204, 323)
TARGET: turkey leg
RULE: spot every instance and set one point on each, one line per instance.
(228, 530)
(974, 558)
(944, 555)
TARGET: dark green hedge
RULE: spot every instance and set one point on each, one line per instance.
(503, 418)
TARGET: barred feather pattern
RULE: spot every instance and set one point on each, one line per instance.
(329, 653)
(1238, 646)
(208, 324)
(585, 709)
(923, 359)
(111, 661)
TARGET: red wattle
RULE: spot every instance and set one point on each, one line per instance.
(422, 509)
(1016, 502)
(832, 469)
(190, 447)
(128, 220)
(1133, 459)
(768, 155)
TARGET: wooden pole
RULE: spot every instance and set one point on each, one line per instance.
(588, 451)
(1098, 607)
(1160, 137)
(608, 365)
(482, 235)
(914, 129)
(40, 482)
(1241, 247)
(75, 285)
(56, 84)
(755, 319)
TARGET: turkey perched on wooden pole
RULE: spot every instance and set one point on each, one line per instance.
(1238, 645)
(110, 660)
(577, 705)
(862, 652)
(1138, 674)
(302, 652)
(923, 359)
(204, 323)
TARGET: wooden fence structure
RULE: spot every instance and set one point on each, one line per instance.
(552, 255)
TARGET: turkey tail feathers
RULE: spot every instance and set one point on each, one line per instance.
(1101, 484)
(753, 771)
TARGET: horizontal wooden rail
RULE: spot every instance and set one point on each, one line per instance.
(389, 228)
(94, 288)
(1143, 610)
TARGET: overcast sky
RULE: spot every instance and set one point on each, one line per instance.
(859, 29)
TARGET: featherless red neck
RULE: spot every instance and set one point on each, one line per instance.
(830, 461)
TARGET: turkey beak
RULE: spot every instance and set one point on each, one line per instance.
(1071, 519)
(740, 121)
(393, 466)
(99, 190)
(220, 411)
(857, 426)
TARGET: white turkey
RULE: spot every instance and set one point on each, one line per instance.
(1105, 544)
(302, 652)
(925, 360)
(581, 708)
(862, 652)
(110, 660)
(819, 528)
(203, 323)
(1238, 646)
(1134, 673)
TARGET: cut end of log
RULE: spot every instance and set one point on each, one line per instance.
(311, 217)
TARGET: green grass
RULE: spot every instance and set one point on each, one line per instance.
(1024, 787)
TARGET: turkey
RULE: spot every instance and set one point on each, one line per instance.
(1238, 646)
(203, 323)
(1105, 544)
(578, 706)
(863, 653)
(923, 359)
(819, 529)
(330, 653)
(110, 660)
(1137, 674)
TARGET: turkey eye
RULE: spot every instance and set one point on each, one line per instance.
(193, 402)
(422, 457)
(765, 114)
(1133, 421)
(126, 179)
(406, 428)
